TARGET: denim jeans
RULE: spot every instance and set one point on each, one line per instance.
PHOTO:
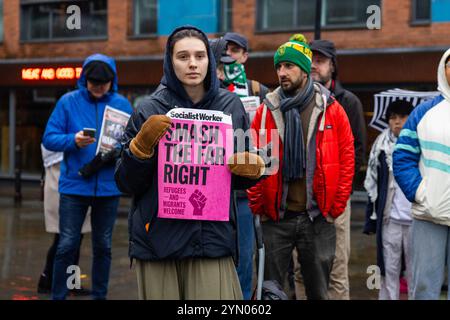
(50, 261)
(72, 211)
(316, 244)
(246, 247)
(430, 247)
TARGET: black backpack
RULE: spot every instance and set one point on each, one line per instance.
(271, 290)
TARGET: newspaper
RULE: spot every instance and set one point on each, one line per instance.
(113, 127)
(250, 105)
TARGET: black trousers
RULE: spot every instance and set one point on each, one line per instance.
(316, 244)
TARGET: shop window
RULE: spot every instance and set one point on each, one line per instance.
(33, 109)
(47, 20)
(280, 15)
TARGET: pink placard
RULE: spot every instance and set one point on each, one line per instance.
(194, 182)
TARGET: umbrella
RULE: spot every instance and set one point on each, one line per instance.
(383, 99)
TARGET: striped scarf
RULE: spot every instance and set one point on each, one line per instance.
(294, 156)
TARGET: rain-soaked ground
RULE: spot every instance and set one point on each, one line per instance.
(24, 244)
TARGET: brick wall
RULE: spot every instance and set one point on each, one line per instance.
(395, 32)
(119, 43)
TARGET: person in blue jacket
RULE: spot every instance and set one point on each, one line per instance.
(87, 179)
(422, 170)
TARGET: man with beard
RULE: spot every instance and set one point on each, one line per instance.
(299, 203)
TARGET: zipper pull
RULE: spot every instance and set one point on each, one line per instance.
(322, 121)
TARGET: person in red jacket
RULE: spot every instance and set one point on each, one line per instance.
(299, 202)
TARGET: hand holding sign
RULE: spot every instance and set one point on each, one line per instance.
(246, 164)
(142, 146)
(198, 201)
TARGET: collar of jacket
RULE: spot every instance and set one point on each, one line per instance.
(272, 101)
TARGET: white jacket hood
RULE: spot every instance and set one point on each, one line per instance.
(443, 85)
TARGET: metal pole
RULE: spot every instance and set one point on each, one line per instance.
(12, 131)
(317, 28)
(18, 175)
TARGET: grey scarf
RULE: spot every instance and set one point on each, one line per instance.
(294, 157)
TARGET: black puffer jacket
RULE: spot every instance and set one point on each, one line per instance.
(173, 238)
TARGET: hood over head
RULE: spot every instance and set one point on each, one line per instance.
(443, 85)
(102, 58)
(171, 81)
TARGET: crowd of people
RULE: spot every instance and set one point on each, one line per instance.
(310, 128)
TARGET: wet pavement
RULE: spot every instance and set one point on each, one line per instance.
(24, 244)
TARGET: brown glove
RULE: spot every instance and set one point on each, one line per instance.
(142, 146)
(246, 164)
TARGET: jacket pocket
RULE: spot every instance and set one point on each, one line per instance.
(146, 215)
(420, 206)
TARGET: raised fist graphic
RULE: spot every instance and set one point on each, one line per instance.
(198, 201)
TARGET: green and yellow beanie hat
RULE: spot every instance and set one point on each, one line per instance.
(296, 51)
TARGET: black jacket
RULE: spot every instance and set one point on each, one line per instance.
(353, 107)
(376, 226)
(173, 238)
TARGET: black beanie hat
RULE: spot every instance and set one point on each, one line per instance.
(400, 107)
(98, 71)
